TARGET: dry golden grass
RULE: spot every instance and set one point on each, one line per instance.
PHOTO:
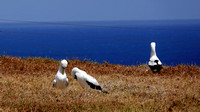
(26, 85)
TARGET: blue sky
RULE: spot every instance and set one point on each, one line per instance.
(99, 10)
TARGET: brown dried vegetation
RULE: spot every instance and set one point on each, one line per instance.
(26, 85)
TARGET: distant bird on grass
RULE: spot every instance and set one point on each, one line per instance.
(154, 63)
(85, 80)
(61, 80)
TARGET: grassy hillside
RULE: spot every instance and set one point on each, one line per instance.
(26, 85)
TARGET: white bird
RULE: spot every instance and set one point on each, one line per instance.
(85, 80)
(61, 80)
(154, 63)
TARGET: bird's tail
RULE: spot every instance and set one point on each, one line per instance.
(103, 91)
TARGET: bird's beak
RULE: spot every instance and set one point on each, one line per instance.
(63, 69)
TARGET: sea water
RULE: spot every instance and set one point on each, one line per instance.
(116, 42)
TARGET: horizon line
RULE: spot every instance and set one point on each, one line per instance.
(20, 20)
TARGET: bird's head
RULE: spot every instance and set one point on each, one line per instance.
(74, 70)
(153, 44)
(64, 63)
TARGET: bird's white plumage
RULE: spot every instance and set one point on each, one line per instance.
(61, 80)
(82, 77)
(153, 56)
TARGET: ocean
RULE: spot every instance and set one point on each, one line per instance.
(116, 42)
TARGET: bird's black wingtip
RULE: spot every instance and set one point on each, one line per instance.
(156, 68)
